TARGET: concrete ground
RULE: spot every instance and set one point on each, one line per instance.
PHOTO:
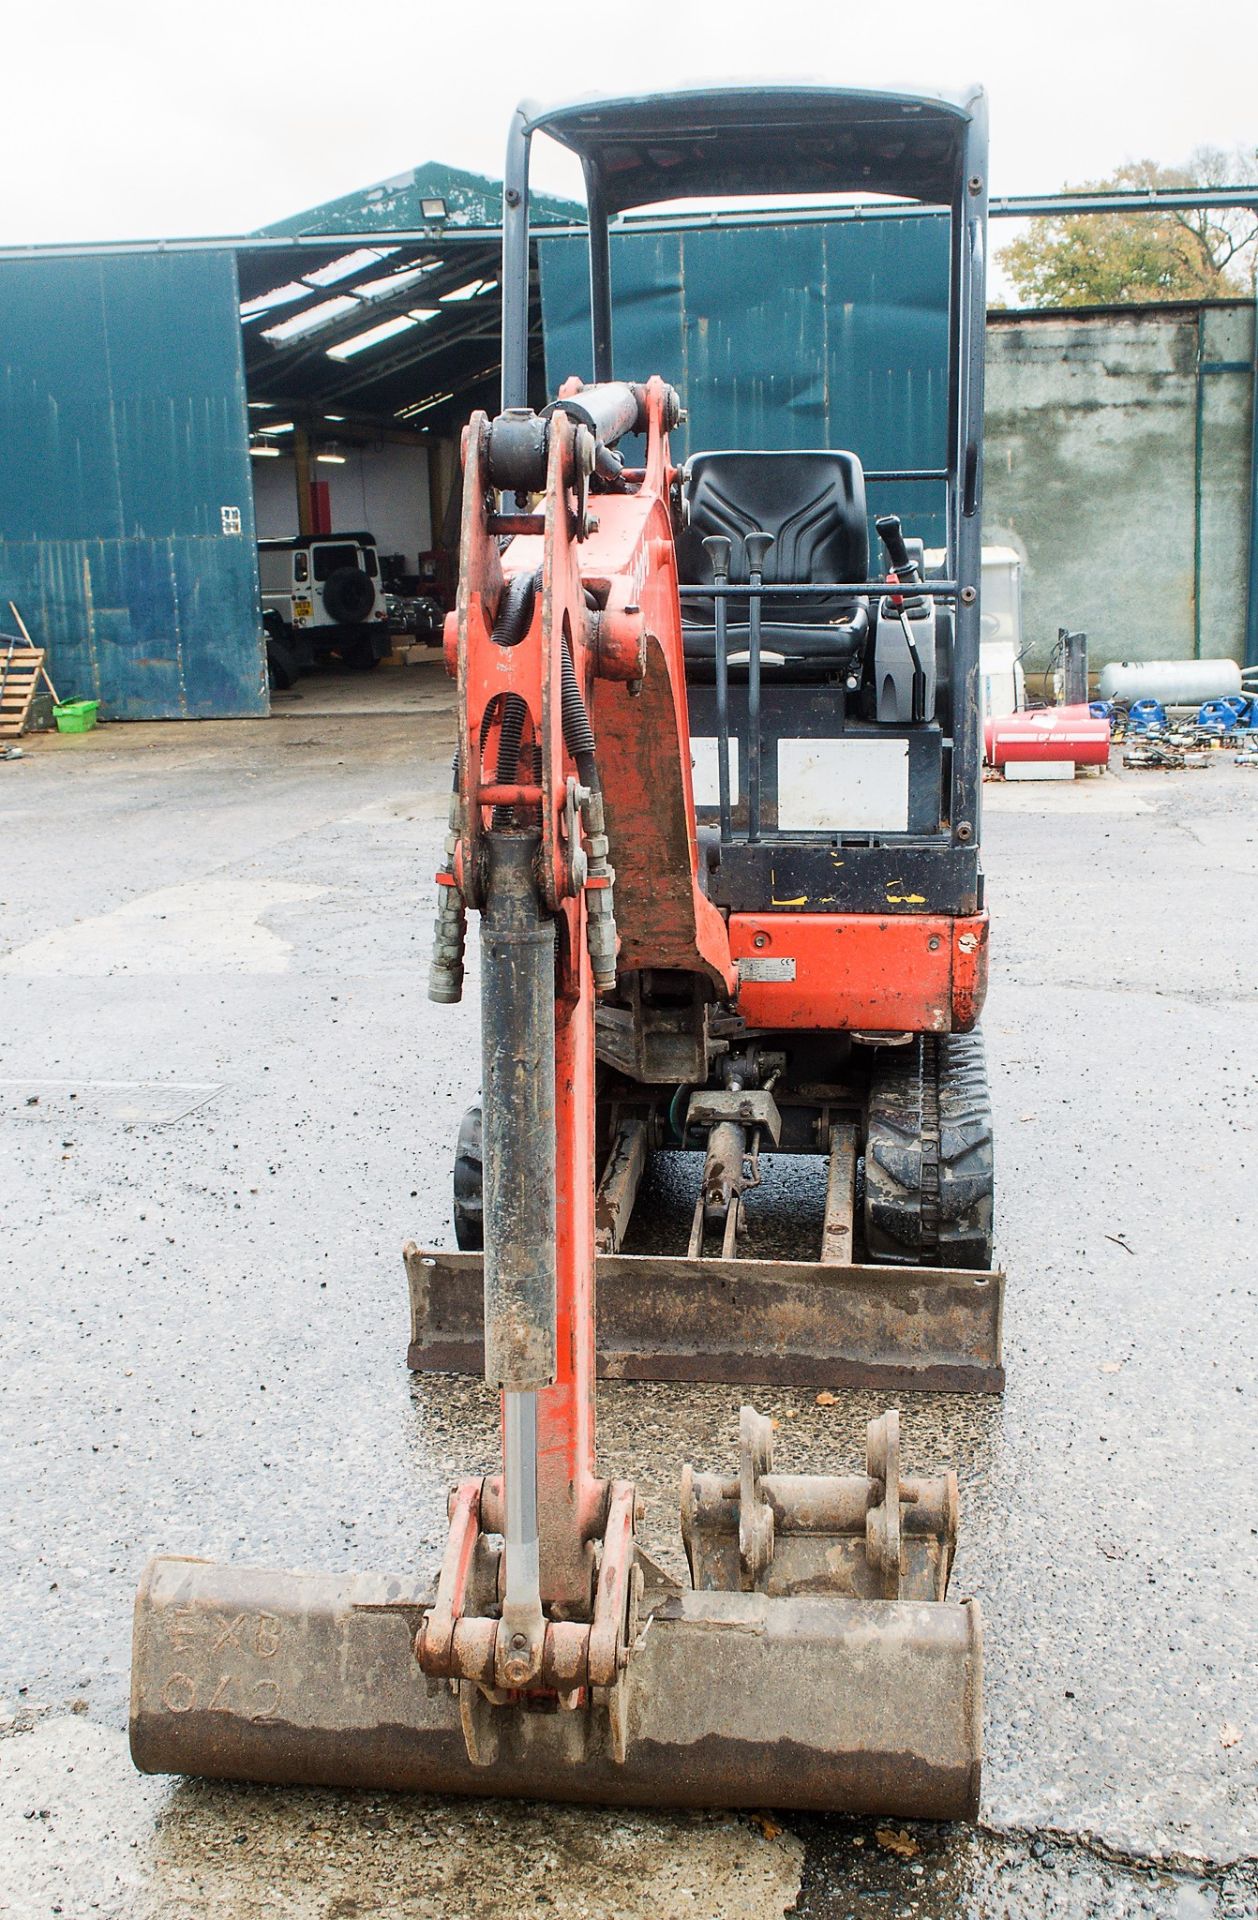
(230, 1103)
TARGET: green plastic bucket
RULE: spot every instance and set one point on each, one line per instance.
(75, 716)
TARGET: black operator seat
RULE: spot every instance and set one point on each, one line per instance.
(814, 506)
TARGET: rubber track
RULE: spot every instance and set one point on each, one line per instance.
(469, 1185)
(928, 1201)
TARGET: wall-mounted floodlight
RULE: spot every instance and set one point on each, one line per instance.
(434, 209)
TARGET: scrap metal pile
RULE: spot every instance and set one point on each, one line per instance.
(1171, 741)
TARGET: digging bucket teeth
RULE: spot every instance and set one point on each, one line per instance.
(829, 1698)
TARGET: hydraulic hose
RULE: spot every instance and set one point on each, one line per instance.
(515, 609)
(600, 917)
(510, 734)
(578, 735)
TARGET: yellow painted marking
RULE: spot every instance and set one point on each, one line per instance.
(907, 899)
(800, 901)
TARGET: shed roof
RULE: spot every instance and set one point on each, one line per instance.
(403, 328)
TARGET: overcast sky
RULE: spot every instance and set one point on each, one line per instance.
(161, 117)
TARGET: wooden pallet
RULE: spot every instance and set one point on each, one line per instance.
(19, 680)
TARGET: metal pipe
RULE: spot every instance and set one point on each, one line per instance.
(522, 1598)
(600, 276)
(515, 264)
(813, 589)
(1008, 207)
(719, 548)
(956, 323)
(757, 546)
(722, 721)
(971, 215)
(1251, 597)
(1199, 437)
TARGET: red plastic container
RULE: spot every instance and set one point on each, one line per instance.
(1048, 733)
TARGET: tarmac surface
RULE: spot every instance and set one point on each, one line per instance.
(228, 1105)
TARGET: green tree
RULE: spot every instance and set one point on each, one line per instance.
(1107, 259)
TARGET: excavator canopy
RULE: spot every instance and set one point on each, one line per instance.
(764, 140)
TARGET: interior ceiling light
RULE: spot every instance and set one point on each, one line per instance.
(359, 342)
(280, 426)
(277, 297)
(392, 282)
(263, 452)
(334, 416)
(330, 459)
(338, 269)
(422, 406)
(311, 319)
(348, 263)
(262, 406)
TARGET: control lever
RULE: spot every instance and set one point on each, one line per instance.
(908, 606)
(756, 545)
(718, 549)
(887, 527)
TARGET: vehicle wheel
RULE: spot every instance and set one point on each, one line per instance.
(429, 622)
(358, 652)
(928, 1172)
(349, 596)
(469, 1181)
(282, 666)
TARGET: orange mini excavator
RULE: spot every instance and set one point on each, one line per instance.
(716, 804)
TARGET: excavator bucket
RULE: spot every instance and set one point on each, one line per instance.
(809, 1688)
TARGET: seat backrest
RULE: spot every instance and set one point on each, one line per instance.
(812, 503)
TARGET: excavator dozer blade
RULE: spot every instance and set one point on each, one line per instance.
(792, 1323)
(730, 1699)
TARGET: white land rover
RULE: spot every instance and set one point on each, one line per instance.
(321, 594)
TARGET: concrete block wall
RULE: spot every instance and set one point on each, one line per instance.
(1118, 467)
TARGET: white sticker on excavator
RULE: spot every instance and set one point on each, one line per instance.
(843, 786)
(706, 779)
(766, 969)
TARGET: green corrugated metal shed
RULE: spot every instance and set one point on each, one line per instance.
(126, 503)
(397, 205)
(816, 334)
(123, 401)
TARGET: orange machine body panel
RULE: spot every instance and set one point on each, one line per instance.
(893, 973)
